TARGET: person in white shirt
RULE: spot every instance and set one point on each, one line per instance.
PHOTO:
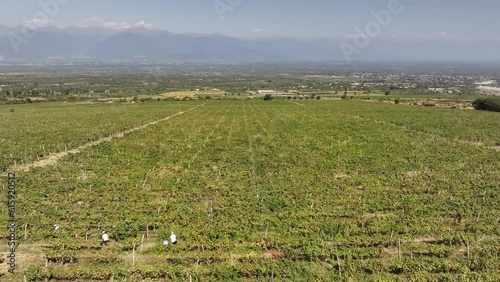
(165, 243)
(173, 238)
(105, 238)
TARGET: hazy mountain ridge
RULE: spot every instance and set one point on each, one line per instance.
(140, 44)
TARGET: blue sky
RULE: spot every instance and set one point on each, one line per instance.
(444, 19)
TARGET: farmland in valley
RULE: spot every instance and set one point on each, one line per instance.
(297, 191)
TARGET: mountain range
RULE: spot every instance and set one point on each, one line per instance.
(140, 44)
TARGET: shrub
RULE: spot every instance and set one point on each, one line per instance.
(268, 97)
(125, 230)
(34, 273)
(61, 256)
(487, 104)
(105, 258)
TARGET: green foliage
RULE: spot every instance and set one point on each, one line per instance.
(37, 130)
(105, 258)
(247, 205)
(61, 256)
(36, 273)
(487, 104)
(125, 230)
(268, 97)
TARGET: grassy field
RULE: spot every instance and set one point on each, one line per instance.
(32, 131)
(259, 190)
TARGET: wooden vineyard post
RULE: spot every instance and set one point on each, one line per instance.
(25, 231)
(338, 264)
(468, 252)
(399, 249)
(147, 231)
(210, 208)
(142, 241)
(133, 255)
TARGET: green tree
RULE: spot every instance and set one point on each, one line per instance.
(487, 104)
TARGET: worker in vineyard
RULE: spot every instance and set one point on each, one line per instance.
(173, 238)
(165, 243)
(105, 238)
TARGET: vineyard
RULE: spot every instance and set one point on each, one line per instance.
(254, 190)
(32, 132)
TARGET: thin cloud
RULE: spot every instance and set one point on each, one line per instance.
(42, 22)
(443, 35)
(117, 26)
(143, 24)
(91, 22)
(98, 22)
(257, 30)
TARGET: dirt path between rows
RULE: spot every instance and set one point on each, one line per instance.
(297, 104)
(54, 158)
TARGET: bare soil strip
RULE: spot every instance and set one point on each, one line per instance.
(54, 158)
(297, 104)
